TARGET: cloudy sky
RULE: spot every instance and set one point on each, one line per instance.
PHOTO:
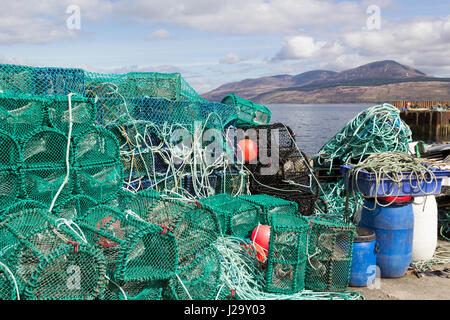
(211, 42)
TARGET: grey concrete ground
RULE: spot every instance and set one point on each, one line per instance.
(409, 287)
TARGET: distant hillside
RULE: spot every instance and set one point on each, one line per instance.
(380, 81)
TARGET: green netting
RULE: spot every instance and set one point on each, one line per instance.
(135, 250)
(83, 112)
(236, 217)
(10, 187)
(330, 246)
(195, 230)
(121, 200)
(47, 261)
(16, 79)
(21, 205)
(45, 148)
(270, 205)
(8, 289)
(21, 114)
(248, 112)
(199, 280)
(134, 290)
(287, 255)
(100, 182)
(42, 184)
(75, 207)
(11, 156)
(150, 206)
(96, 147)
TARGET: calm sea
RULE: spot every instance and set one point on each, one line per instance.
(314, 124)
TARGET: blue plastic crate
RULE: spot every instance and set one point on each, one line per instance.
(366, 184)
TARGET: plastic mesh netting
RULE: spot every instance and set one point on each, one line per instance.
(330, 254)
(135, 250)
(287, 254)
(269, 205)
(47, 261)
(236, 217)
(248, 112)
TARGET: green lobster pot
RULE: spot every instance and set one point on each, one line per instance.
(10, 187)
(48, 261)
(100, 182)
(152, 84)
(330, 252)
(236, 216)
(287, 254)
(76, 206)
(135, 291)
(45, 148)
(135, 250)
(42, 184)
(269, 205)
(249, 113)
(200, 279)
(10, 156)
(15, 79)
(96, 147)
(195, 230)
(22, 114)
(83, 112)
(21, 205)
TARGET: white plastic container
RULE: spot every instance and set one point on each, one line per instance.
(425, 227)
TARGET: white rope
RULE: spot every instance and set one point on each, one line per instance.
(69, 135)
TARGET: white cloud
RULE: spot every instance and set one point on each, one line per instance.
(230, 58)
(305, 47)
(250, 16)
(161, 34)
(25, 21)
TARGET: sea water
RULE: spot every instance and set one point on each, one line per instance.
(314, 124)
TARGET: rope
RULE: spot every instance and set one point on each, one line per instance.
(396, 168)
(69, 137)
(240, 273)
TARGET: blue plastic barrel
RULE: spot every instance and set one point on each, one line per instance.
(364, 260)
(394, 227)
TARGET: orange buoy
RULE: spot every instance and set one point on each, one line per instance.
(261, 239)
(249, 149)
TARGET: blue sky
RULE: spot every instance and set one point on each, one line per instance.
(213, 42)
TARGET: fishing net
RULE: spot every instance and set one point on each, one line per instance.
(134, 249)
(199, 280)
(244, 276)
(287, 255)
(236, 217)
(45, 148)
(248, 112)
(330, 246)
(134, 290)
(376, 129)
(8, 285)
(58, 81)
(10, 157)
(82, 114)
(269, 205)
(96, 147)
(75, 207)
(19, 206)
(195, 230)
(100, 182)
(47, 261)
(10, 186)
(42, 184)
(21, 114)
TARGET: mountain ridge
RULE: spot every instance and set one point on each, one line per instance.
(383, 74)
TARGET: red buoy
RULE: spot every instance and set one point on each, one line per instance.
(249, 149)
